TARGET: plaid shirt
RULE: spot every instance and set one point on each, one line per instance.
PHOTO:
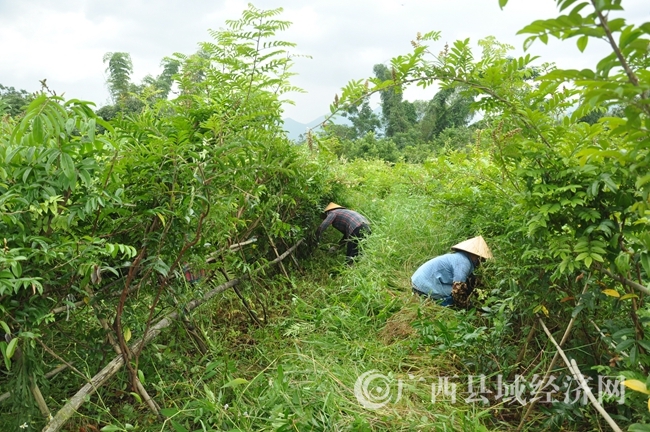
(343, 220)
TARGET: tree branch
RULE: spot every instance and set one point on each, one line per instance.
(553, 360)
(610, 37)
(577, 375)
(68, 410)
(625, 281)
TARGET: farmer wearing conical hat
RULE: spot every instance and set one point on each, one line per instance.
(352, 224)
(436, 277)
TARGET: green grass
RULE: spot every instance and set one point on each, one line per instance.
(323, 331)
(322, 328)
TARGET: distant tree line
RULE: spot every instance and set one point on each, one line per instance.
(12, 101)
(404, 130)
(412, 131)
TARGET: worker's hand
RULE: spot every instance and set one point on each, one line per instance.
(333, 249)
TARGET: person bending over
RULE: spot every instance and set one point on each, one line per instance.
(353, 225)
(436, 277)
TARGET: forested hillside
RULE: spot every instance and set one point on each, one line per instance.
(160, 269)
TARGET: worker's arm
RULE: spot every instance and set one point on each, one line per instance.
(462, 269)
(323, 226)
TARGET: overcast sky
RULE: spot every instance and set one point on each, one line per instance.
(65, 40)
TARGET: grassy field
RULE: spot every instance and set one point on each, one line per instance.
(317, 332)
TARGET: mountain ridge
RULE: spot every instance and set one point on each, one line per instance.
(295, 128)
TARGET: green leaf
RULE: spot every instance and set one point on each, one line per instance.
(582, 42)
(645, 344)
(645, 27)
(577, 310)
(5, 327)
(528, 42)
(91, 130)
(69, 126)
(596, 257)
(67, 165)
(624, 345)
(11, 348)
(616, 24)
(26, 174)
(608, 181)
(85, 176)
(235, 382)
(645, 262)
(37, 130)
(111, 428)
(169, 412)
(17, 269)
(3, 350)
(162, 218)
(178, 427)
(628, 331)
(136, 396)
(503, 3)
(565, 4)
(634, 352)
(641, 181)
(7, 362)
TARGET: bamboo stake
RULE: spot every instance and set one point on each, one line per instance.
(233, 248)
(577, 375)
(53, 372)
(66, 307)
(295, 261)
(625, 281)
(68, 410)
(284, 271)
(237, 246)
(553, 360)
(602, 335)
(40, 400)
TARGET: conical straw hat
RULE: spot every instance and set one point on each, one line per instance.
(332, 206)
(476, 246)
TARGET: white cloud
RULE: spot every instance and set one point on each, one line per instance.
(65, 40)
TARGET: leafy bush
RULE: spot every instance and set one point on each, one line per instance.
(563, 201)
(109, 220)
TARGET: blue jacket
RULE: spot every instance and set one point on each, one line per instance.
(436, 276)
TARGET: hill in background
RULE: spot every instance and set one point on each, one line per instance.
(295, 128)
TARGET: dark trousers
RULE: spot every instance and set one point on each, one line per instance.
(353, 241)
